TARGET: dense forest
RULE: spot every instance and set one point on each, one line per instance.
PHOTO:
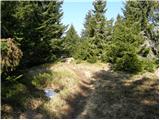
(33, 39)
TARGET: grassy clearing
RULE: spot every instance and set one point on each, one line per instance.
(63, 79)
(115, 94)
(56, 108)
(29, 95)
(123, 96)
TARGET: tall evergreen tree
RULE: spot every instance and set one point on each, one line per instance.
(125, 45)
(9, 21)
(39, 30)
(95, 23)
(71, 41)
(98, 13)
(88, 30)
(51, 29)
(28, 19)
(96, 31)
(146, 13)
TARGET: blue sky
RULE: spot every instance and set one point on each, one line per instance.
(76, 10)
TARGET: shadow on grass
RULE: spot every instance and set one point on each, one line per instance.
(78, 100)
(117, 95)
(17, 95)
(74, 103)
(23, 106)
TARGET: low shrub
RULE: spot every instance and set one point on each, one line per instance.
(149, 65)
(92, 59)
(42, 79)
(129, 63)
(11, 91)
(124, 58)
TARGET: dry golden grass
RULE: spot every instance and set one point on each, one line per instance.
(122, 96)
(89, 91)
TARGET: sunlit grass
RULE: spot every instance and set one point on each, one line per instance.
(54, 107)
(59, 77)
(116, 94)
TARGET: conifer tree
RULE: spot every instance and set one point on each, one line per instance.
(98, 13)
(96, 31)
(146, 13)
(51, 29)
(40, 30)
(51, 25)
(95, 23)
(71, 41)
(125, 45)
(88, 30)
(9, 21)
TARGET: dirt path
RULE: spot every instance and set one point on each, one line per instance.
(81, 91)
(78, 94)
(74, 102)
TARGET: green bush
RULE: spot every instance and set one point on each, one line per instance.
(149, 65)
(92, 59)
(124, 58)
(11, 91)
(129, 63)
(42, 79)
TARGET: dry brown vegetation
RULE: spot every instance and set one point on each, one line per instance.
(118, 95)
(88, 91)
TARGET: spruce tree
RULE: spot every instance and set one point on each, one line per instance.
(8, 21)
(98, 13)
(125, 45)
(96, 31)
(52, 29)
(146, 13)
(88, 30)
(71, 41)
(40, 30)
(28, 20)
